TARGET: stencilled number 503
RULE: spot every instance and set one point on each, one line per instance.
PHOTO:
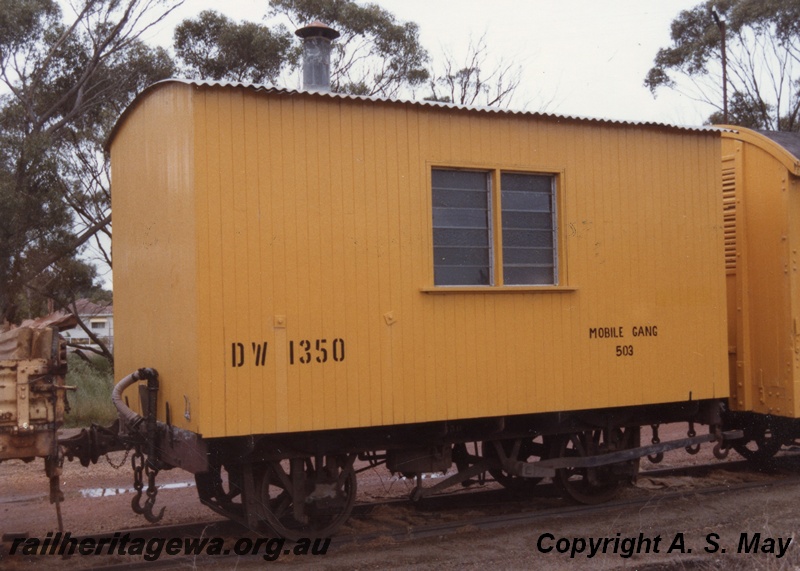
(624, 350)
(306, 351)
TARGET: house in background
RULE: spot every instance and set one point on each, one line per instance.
(99, 318)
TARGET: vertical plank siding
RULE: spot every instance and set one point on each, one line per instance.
(157, 272)
(308, 219)
(762, 211)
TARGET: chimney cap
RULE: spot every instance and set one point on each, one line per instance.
(317, 29)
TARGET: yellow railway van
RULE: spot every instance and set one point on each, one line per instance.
(312, 278)
(761, 186)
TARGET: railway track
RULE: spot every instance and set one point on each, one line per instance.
(399, 520)
(544, 501)
(525, 517)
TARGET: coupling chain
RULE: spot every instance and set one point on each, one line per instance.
(152, 491)
(691, 434)
(655, 458)
(140, 466)
(137, 463)
(121, 462)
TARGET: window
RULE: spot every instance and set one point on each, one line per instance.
(469, 251)
(461, 228)
(529, 253)
(98, 323)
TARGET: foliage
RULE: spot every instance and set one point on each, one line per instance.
(67, 77)
(91, 402)
(212, 46)
(375, 55)
(66, 83)
(65, 279)
(763, 53)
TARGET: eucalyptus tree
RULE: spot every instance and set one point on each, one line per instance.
(762, 53)
(212, 46)
(65, 75)
(375, 54)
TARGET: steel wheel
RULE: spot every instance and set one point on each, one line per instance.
(760, 447)
(211, 487)
(324, 491)
(586, 485)
(527, 448)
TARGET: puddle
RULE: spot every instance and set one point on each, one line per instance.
(106, 492)
(425, 476)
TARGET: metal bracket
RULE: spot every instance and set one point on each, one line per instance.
(419, 492)
(26, 369)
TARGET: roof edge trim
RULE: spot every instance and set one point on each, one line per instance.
(416, 103)
(783, 155)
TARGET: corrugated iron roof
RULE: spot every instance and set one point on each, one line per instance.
(434, 104)
(786, 139)
(782, 145)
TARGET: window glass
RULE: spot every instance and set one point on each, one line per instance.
(463, 241)
(528, 229)
(461, 228)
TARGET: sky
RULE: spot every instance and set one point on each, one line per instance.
(579, 57)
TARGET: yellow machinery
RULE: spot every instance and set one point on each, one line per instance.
(33, 398)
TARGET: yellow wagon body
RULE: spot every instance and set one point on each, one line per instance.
(762, 193)
(274, 259)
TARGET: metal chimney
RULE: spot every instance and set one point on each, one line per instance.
(317, 44)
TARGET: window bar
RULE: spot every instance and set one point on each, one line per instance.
(495, 228)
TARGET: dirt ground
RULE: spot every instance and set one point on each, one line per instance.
(761, 520)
